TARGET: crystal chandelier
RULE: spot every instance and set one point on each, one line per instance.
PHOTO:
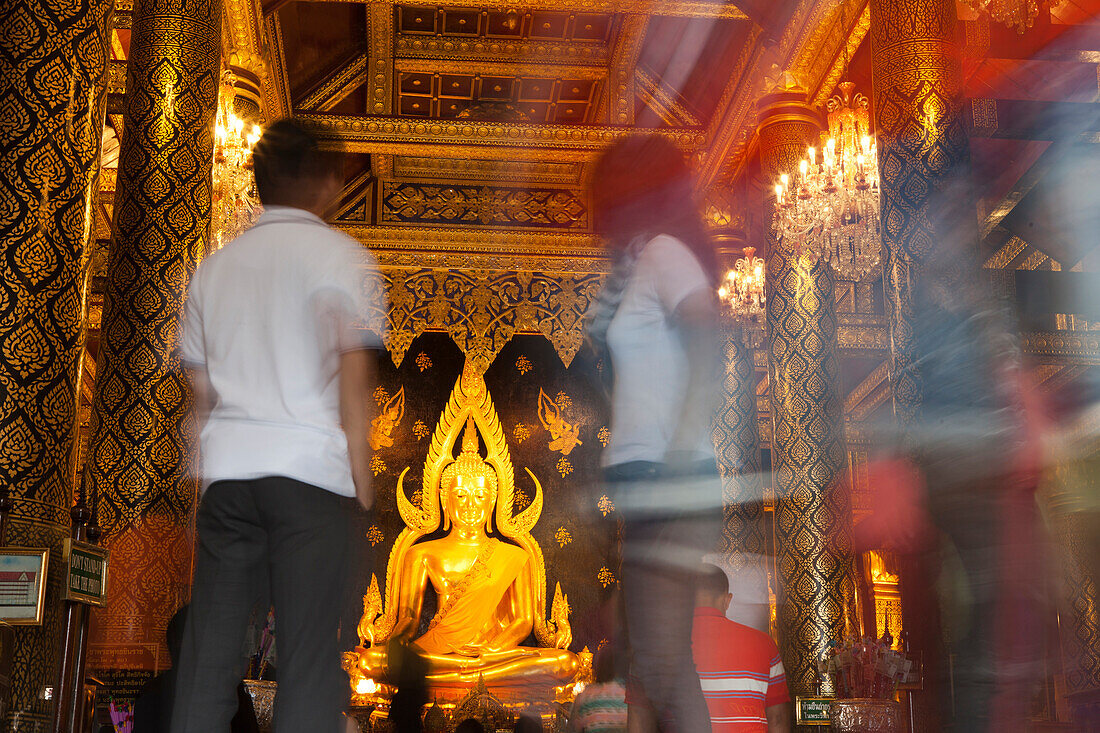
(1018, 14)
(235, 205)
(742, 294)
(830, 208)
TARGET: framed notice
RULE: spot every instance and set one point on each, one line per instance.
(812, 710)
(85, 573)
(23, 584)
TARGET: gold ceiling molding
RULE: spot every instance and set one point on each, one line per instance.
(728, 134)
(459, 152)
(481, 205)
(482, 310)
(485, 171)
(854, 37)
(664, 103)
(1076, 347)
(572, 251)
(1004, 256)
(334, 88)
(617, 102)
(498, 68)
(242, 38)
(276, 86)
(461, 48)
(686, 8)
(822, 52)
(380, 76)
(734, 124)
(403, 133)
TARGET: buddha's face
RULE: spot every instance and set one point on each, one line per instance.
(470, 503)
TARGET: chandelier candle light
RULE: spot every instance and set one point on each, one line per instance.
(235, 204)
(743, 294)
(830, 208)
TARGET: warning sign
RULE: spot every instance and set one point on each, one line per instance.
(86, 573)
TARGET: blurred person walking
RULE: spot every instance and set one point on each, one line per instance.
(655, 323)
(280, 354)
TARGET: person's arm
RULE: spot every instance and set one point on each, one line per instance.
(779, 718)
(696, 319)
(202, 393)
(357, 374)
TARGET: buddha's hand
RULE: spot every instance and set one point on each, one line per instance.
(470, 651)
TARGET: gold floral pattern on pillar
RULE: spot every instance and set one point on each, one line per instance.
(923, 148)
(737, 445)
(483, 309)
(52, 97)
(139, 455)
(812, 523)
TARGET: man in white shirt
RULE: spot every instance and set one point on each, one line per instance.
(279, 344)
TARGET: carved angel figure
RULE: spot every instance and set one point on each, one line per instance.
(564, 436)
(382, 427)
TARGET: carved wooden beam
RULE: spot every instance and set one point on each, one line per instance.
(616, 105)
(499, 68)
(663, 101)
(334, 88)
(686, 8)
(401, 135)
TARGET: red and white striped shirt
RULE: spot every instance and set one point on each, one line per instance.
(739, 670)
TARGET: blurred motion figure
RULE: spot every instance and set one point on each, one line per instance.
(280, 355)
(655, 323)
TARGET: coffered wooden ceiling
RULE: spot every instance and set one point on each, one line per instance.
(488, 114)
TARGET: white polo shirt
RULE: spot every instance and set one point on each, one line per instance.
(650, 365)
(268, 316)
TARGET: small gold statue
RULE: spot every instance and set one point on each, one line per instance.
(490, 585)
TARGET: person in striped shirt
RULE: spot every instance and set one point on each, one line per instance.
(739, 667)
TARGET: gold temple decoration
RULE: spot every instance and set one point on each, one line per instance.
(1018, 14)
(235, 204)
(387, 420)
(564, 435)
(515, 564)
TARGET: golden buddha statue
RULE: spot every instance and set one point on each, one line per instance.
(487, 571)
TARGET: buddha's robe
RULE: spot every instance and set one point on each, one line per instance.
(477, 610)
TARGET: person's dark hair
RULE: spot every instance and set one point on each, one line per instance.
(470, 725)
(712, 580)
(642, 185)
(287, 156)
(604, 667)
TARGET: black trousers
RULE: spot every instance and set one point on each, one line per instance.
(290, 535)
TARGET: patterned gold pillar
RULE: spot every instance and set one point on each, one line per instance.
(736, 441)
(923, 156)
(137, 465)
(811, 523)
(927, 218)
(1075, 524)
(53, 60)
